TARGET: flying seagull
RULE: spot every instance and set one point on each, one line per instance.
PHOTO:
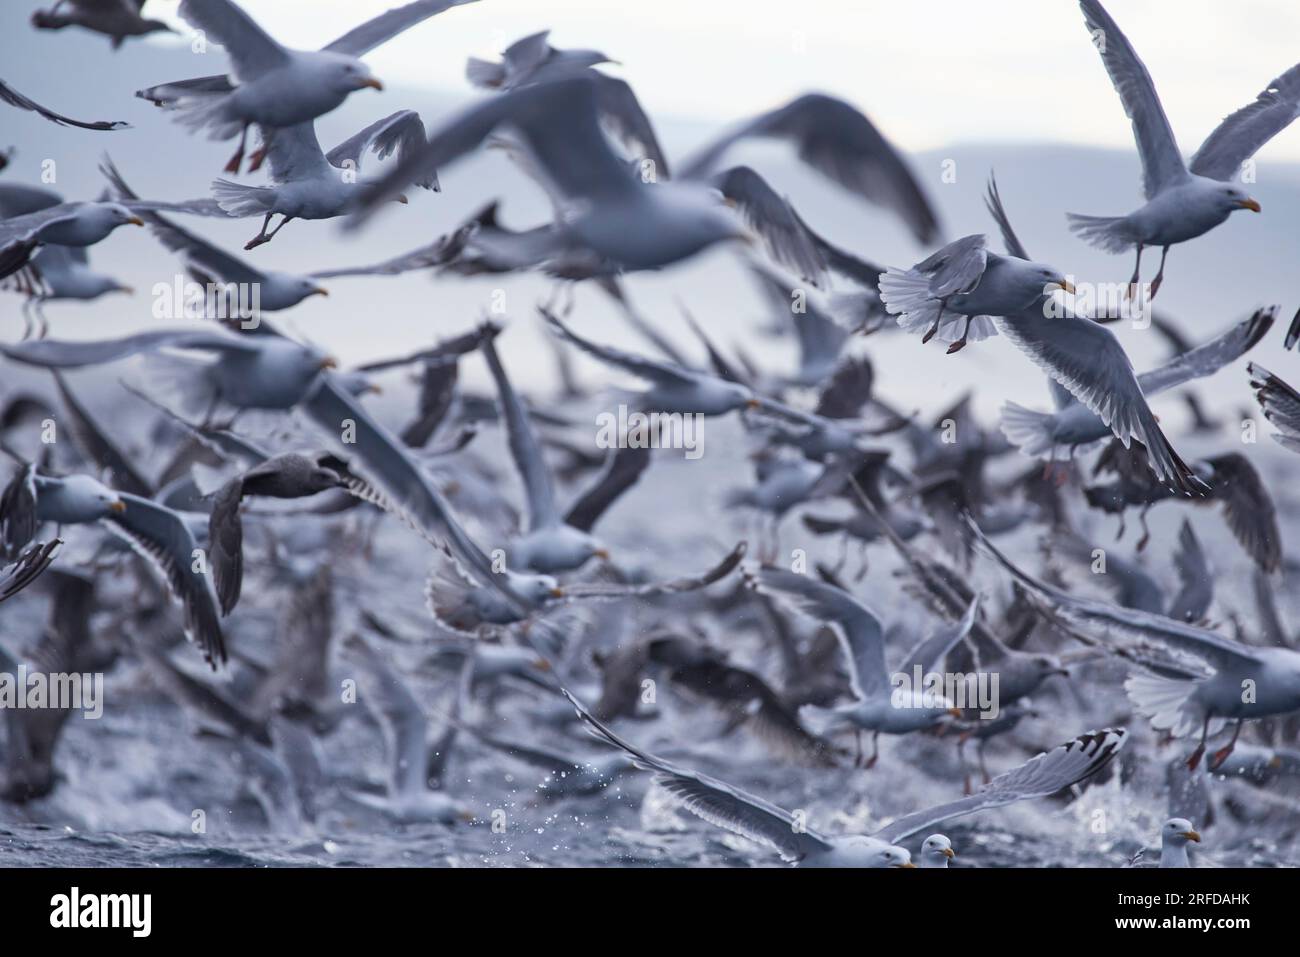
(728, 807)
(115, 19)
(1183, 200)
(270, 85)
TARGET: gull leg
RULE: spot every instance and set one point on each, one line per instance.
(261, 233)
(1160, 275)
(1195, 759)
(232, 166)
(875, 751)
(857, 758)
(929, 333)
(961, 343)
(1132, 290)
(1222, 754)
(1146, 530)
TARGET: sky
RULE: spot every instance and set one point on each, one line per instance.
(929, 72)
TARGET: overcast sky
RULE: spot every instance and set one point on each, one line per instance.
(929, 72)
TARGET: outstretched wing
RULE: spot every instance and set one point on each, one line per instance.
(161, 536)
(401, 132)
(11, 96)
(363, 38)
(1162, 164)
(715, 801)
(1244, 132)
(251, 49)
(1040, 776)
(671, 586)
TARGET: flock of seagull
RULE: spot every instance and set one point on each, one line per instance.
(268, 480)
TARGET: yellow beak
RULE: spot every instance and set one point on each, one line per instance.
(1249, 204)
(1192, 836)
(602, 554)
(402, 199)
(955, 712)
(371, 82)
(137, 221)
(118, 506)
(318, 291)
(557, 592)
(329, 362)
(949, 853)
(1066, 285)
(753, 404)
(908, 864)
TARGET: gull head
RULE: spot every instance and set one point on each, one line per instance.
(93, 498)
(1178, 831)
(345, 74)
(1050, 279)
(1232, 197)
(937, 851)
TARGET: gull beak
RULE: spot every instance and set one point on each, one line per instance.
(401, 198)
(955, 712)
(1192, 836)
(319, 291)
(1275, 761)
(118, 506)
(602, 554)
(130, 291)
(753, 404)
(557, 592)
(371, 82)
(466, 816)
(909, 864)
(728, 201)
(541, 664)
(329, 362)
(1249, 204)
(137, 221)
(371, 387)
(1066, 285)
(949, 853)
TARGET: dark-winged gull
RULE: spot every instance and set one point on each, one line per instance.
(11, 96)
(271, 85)
(1183, 200)
(839, 142)
(157, 533)
(115, 19)
(728, 807)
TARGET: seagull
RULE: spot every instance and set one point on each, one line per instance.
(1183, 200)
(530, 60)
(237, 282)
(11, 96)
(1056, 435)
(288, 475)
(59, 274)
(1211, 680)
(560, 122)
(249, 372)
(1086, 359)
(728, 807)
(273, 86)
(1174, 836)
(878, 705)
(63, 224)
(115, 19)
(155, 532)
(936, 851)
(972, 285)
(551, 544)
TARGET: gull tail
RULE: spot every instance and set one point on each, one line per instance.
(1114, 234)
(1167, 702)
(484, 74)
(236, 199)
(906, 294)
(1030, 431)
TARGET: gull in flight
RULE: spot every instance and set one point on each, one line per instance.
(1184, 200)
(115, 19)
(728, 807)
(11, 96)
(270, 85)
